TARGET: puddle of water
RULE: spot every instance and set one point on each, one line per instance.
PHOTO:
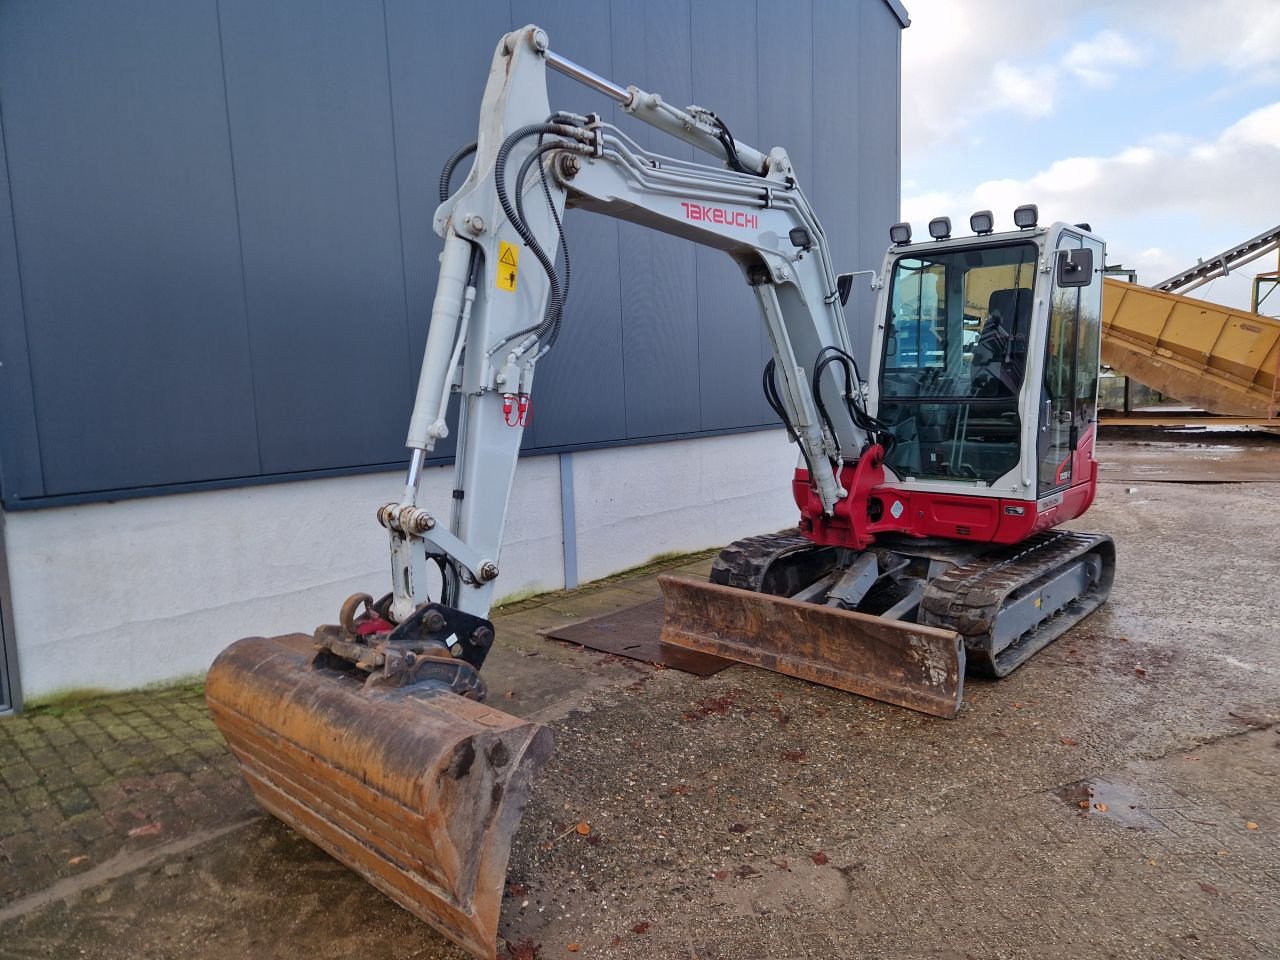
(1118, 802)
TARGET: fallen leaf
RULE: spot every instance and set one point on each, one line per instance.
(1084, 804)
(746, 872)
(517, 889)
(147, 830)
(575, 947)
(1209, 888)
(76, 861)
(679, 790)
(1069, 741)
(510, 694)
(738, 828)
(584, 828)
(641, 927)
(794, 756)
(524, 950)
(616, 941)
(1152, 863)
(1101, 807)
(1251, 825)
(780, 864)
(820, 858)
(1140, 671)
(1017, 705)
(720, 874)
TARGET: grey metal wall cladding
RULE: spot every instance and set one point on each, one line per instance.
(216, 255)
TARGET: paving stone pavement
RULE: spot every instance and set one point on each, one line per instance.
(82, 782)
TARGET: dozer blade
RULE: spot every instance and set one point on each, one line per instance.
(901, 663)
(417, 790)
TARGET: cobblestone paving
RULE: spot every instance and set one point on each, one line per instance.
(82, 782)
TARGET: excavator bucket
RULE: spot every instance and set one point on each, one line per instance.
(416, 789)
(902, 663)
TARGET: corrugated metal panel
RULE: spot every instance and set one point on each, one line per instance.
(139, 182)
(116, 134)
(309, 103)
(19, 439)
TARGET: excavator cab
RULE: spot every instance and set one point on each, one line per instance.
(973, 384)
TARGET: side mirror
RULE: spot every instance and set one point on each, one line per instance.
(1075, 267)
(844, 286)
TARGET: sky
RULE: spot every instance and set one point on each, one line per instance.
(1156, 121)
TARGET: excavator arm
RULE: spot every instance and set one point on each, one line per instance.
(499, 301)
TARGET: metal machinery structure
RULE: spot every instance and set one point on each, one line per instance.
(1222, 360)
(927, 491)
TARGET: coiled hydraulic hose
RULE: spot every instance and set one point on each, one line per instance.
(446, 174)
(555, 303)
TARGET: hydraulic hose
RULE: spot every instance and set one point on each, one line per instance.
(529, 161)
(446, 174)
(555, 304)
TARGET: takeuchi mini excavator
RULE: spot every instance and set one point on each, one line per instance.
(929, 488)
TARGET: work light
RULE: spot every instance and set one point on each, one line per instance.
(940, 228)
(1026, 216)
(982, 222)
(900, 234)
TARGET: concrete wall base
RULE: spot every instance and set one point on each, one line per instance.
(119, 595)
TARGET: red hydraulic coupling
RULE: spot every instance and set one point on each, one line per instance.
(523, 410)
(508, 405)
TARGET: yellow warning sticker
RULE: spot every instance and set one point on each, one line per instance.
(508, 265)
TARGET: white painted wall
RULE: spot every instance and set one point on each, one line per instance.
(118, 595)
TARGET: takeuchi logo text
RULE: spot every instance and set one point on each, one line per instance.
(730, 218)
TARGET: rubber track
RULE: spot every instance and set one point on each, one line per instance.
(744, 562)
(968, 598)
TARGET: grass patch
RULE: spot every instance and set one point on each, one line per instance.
(73, 700)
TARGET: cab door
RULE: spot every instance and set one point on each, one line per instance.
(1069, 387)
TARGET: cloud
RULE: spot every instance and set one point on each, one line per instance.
(960, 61)
(1097, 60)
(1026, 90)
(963, 61)
(1241, 35)
(1223, 183)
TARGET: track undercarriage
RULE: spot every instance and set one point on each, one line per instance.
(885, 622)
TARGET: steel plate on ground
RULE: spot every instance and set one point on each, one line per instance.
(636, 633)
(419, 791)
(901, 663)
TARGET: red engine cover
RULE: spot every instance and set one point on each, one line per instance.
(873, 508)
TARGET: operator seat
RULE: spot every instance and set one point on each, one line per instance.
(1001, 348)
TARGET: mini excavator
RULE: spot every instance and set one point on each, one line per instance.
(929, 492)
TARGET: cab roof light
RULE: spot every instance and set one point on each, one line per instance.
(940, 228)
(900, 234)
(982, 222)
(1026, 216)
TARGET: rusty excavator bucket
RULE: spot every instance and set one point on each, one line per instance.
(907, 664)
(415, 788)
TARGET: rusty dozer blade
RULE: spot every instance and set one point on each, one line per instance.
(415, 788)
(901, 663)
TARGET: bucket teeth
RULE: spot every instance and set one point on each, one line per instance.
(901, 663)
(418, 790)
